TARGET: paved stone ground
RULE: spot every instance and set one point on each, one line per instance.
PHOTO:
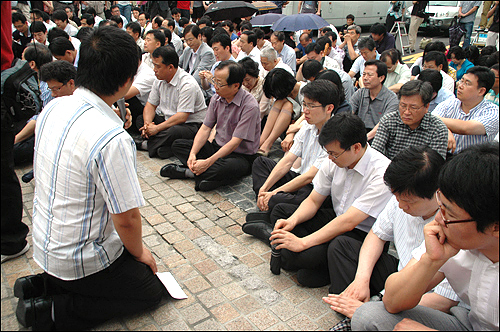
(197, 237)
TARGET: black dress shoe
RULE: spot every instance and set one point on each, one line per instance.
(27, 177)
(208, 185)
(174, 171)
(259, 216)
(36, 312)
(260, 230)
(29, 287)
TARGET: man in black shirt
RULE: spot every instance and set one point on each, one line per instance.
(417, 17)
(21, 36)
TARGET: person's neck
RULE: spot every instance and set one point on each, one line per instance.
(320, 124)
(432, 209)
(225, 57)
(230, 98)
(491, 251)
(461, 62)
(375, 91)
(495, 90)
(279, 51)
(470, 104)
(361, 154)
(109, 100)
(196, 48)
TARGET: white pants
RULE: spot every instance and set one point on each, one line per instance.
(492, 39)
(412, 34)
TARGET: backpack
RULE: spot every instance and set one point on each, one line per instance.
(20, 93)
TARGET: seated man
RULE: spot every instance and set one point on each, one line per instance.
(275, 183)
(368, 52)
(439, 93)
(134, 29)
(358, 270)
(354, 179)
(461, 245)
(285, 52)
(115, 11)
(198, 56)
(383, 40)
(248, 45)
(104, 271)
(413, 125)
(437, 60)
(60, 18)
(231, 154)
(152, 40)
(470, 119)
(39, 32)
(176, 40)
(397, 72)
(304, 40)
(336, 53)
(350, 45)
(63, 49)
(269, 60)
(175, 107)
(374, 100)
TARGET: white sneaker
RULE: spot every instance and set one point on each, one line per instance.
(22, 252)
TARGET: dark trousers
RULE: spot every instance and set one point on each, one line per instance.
(136, 109)
(185, 13)
(261, 169)
(14, 231)
(228, 169)
(314, 258)
(343, 257)
(23, 151)
(166, 138)
(124, 288)
(389, 22)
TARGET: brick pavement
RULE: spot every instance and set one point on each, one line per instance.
(197, 237)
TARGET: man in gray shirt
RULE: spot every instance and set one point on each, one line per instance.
(467, 14)
(374, 100)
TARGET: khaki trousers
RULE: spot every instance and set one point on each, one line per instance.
(412, 34)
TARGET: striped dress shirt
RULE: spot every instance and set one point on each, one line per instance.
(485, 112)
(85, 169)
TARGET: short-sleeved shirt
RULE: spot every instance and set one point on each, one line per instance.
(181, 94)
(401, 74)
(288, 56)
(306, 146)
(466, 6)
(485, 112)
(240, 118)
(475, 280)
(393, 136)
(359, 64)
(386, 43)
(407, 233)
(371, 111)
(361, 187)
(442, 95)
(143, 81)
(85, 169)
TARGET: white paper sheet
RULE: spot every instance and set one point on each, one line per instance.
(168, 280)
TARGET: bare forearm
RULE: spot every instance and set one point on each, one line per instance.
(26, 132)
(462, 127)
(200, 139)
(368, 256)
(298, 182)
(279, 171)
(175, 119)
(308, 208)
(149, 112)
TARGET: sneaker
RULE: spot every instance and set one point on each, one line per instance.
(22, 252)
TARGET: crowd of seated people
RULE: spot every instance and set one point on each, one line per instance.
(374, 151)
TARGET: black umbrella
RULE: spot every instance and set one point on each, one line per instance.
(228, 10)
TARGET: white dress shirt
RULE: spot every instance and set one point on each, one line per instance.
(306, 146)
(143, 81)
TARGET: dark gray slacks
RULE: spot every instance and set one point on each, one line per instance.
(343, 258)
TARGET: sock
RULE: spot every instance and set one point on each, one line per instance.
(144, 145)
(189, 174)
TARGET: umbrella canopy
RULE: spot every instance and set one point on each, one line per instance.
(265, 20)
(228, 10)
(264, 5)
(299, 22)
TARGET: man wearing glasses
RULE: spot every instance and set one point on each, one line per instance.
(413, 125)
(461, 245)
(470, 118)
(230, 155)
(354, 179)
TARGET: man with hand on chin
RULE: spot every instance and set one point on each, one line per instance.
(461, 244)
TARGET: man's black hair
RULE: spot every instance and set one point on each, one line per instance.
(279, 83)
(60, 71)
(245, 25)
(38, 26)
(252, 37)
(378, 29)
(345, 128)
(183, 21)
(168, 55)
(136, 8)
(68, 7)
(91, 11)
(158, 20)
(414, 171)
(236, 72)
(45, 16)
(89, 18)
(435, 46)
(366, 42)
(326, 29)
(334, 77)
(492, 59)
(60, 15)
(322, 41)
(171, 22)
(38, 53)
(228, 23)
(470, 180)
(331, 34)
(223, 39)
(194, 29)
(205, 21)
(146, 15)
(433, 77)
(175, 11)
(135, 27)
(18, 17)
(487, 50)
(168, 35)
(56, 32)
(116, 18)
(381, 68)
(113, 7)
(323, 91)
(84, 32)
(314, 47)
(207, 32)
(350, 16)
(472, 54)
(60, 45)
(280, 35)
(37, 13)
(158, 35)
(251, 67)
(417, 87)
(458, 51)
(439, 58)
(258, 31)
(394, 54)
(495, 67)
(485, 77)
(108, 59)
(311, 68)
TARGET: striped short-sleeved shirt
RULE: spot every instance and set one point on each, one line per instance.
(485, 112)
(85, 169)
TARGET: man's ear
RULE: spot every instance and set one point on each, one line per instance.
(32, 64)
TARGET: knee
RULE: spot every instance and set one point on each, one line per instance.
(339, 245)
(280, 211)
(365, 318)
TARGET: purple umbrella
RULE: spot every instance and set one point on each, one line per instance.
(299, 22)
(265, 20)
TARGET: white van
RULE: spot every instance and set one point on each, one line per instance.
(442, 14)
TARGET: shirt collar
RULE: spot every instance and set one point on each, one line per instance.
(96, 101)
(237, 100)
(364, 163)
(177, 77)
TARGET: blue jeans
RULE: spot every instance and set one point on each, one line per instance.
(468, 33)
(126, 11)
